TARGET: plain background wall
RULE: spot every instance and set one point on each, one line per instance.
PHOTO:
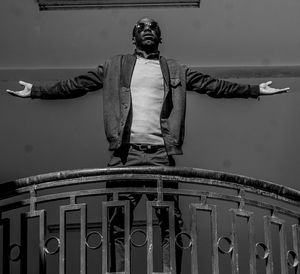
(229, 32)
(254, 138)
(259, 139)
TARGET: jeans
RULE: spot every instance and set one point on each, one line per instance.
(130, 156)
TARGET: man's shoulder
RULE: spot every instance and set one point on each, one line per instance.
(119, 56)
(175, 64)
(116, 59)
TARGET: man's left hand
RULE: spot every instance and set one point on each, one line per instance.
(265, 89)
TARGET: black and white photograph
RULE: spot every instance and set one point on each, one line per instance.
(149, 137)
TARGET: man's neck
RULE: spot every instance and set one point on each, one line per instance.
(147, 55)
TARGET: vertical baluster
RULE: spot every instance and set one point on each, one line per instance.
(5, 223)
(214, 236)
(267, 228)
(268, 220)
(82, 239)
(150, 238)
(235, 256)
(42, 228)
(296, 244)
(42, 233)
(23, 231)
(283, 249)
(105, 253)
(62, 233)
(235, 251)
(170, 207)
(105, 237)
(252, 244)
(194, 250)
(214, 239)
(127, 239)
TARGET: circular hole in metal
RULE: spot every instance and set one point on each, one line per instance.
(183, 242)
(14, 252)
(225, 245)
(292, 258)
(52, 245)
(138, 237)
(94, 237)
(262, 252)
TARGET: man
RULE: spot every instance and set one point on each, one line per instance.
(144, 114)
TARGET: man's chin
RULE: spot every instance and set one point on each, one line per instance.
(149, 43)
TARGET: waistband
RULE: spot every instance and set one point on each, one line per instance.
(146, 147)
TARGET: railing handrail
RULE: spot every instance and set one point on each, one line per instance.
(227, 178)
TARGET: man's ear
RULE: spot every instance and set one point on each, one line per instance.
(133, 40)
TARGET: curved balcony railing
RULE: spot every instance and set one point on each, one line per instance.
(60, 222)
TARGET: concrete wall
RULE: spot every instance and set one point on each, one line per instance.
(230, 32)
(254, 138)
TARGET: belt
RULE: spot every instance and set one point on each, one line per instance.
(146, 147)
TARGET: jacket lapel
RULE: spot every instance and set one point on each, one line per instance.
(165, 71)
(128, 64)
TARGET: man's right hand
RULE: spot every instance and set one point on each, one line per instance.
(25, 93)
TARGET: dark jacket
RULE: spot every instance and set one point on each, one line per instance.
(114, 77)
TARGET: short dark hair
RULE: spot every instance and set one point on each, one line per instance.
(158, 30)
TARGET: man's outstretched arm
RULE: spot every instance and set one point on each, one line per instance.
(216, 88)
(75, 87)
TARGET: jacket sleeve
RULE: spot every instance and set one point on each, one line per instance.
(71, 88)
(206, 84)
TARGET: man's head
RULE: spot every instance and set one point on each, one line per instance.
(146, 35)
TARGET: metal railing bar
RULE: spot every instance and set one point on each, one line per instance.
(42, 231)
(106, 226)
(96, 179)
(235, 213)
(62, 236)
(235, 250)
(280, 210)
(214, 236)
(181, 192)
(23, 244)
(268, 221)
(296, 244)
(150, 242)
(170, 171)
(233, 186)
(176, 180)
(5, 223)
(83, 221)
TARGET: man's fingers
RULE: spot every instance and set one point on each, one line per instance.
(284, 89)
(280, 90)
(15, 93)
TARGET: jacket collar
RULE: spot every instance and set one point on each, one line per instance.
(154, 55)
(128, 64)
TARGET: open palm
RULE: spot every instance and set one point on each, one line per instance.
(24, 93)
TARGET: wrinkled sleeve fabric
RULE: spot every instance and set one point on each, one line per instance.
(216, 88)
(71, 88)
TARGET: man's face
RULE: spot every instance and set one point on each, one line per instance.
(147, 34)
